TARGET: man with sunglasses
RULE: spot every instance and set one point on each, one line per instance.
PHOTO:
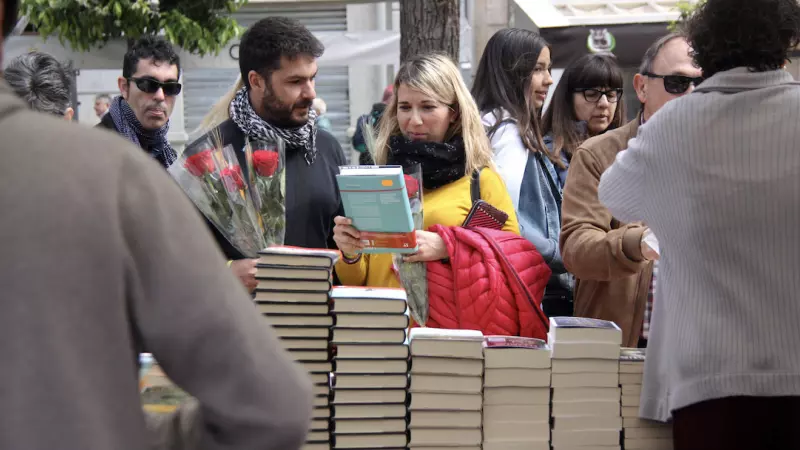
(148, 88)
(614, 268)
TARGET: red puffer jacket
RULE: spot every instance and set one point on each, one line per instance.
(494, 283)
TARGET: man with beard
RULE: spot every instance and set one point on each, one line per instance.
(278, 64)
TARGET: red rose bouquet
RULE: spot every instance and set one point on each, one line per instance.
(247, 230)
(213, 180)
(267, 170)
(414, 276)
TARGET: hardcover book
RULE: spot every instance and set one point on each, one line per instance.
(376, 200)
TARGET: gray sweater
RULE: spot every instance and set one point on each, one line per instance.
(717, 178)
(103, 256)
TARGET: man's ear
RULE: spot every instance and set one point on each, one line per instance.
(256, 80)
(124, 87)
(69, 114)
(640, 86)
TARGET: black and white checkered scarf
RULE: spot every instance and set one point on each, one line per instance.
(256, 128)
(155, 141)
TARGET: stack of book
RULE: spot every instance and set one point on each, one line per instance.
(638, 433)
(516, 394)
(370, 377)
(446, 383)
(292, 294)
(585, 381)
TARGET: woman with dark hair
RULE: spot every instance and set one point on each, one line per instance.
(510, 88)
(716, 176)
(587, 102)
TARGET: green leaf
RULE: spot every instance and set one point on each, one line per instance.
(199, 26)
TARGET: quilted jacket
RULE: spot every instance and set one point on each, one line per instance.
(494, 282)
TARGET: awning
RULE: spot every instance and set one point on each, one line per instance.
(623, 27)
(564, 13)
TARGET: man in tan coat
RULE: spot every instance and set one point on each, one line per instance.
(102, 257)
(612, 265)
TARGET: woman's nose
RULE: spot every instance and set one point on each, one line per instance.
(416, 117)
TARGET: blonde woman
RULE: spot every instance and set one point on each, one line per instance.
(432, 120)
(479, 279)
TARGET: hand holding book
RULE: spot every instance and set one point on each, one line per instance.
(346, 236)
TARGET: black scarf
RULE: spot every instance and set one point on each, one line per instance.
(442, 162)
(155, 141)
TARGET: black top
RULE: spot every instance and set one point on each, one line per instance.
(312, 195)
(107, 122)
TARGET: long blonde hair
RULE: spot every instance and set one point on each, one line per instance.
(436, 76)
(220, 112)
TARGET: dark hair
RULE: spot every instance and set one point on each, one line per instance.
(758, 34)
(41, 81)
(503, 81)
(149, 47)
(269, 39)
(588, 71)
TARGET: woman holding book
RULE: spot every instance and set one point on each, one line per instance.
(433, 121)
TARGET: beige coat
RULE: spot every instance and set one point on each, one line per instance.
(612, 280)
(102, 257)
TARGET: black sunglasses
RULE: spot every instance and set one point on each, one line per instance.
(676, 84)
(151, 86)
(594, 95)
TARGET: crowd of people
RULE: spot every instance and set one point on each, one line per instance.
(692, 203)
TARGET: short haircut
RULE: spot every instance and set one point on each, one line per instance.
(149, 47)
(41, 81)
(104, 97)
(651, 54)
(269, 39)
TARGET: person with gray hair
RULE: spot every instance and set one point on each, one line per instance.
(101, 104)
(42, 82)
(614, 268)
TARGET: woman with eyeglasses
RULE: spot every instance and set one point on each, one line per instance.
(586, 103)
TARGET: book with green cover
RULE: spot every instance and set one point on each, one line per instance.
(375, 198)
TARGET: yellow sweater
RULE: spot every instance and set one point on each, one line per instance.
(448, 206)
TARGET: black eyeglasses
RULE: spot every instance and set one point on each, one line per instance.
(676, 84)
(594, 95)
(151, 86)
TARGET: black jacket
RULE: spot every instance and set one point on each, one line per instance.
(312, 195)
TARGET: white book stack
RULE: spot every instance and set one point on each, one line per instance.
(370, 379)
(293, 295)
(585, 381)
(516, 393)
(446, 381)
(638, 434)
